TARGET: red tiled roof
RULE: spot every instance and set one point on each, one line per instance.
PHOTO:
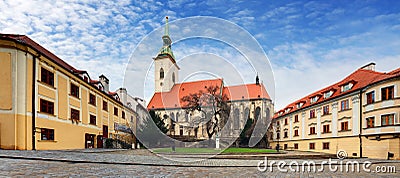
(394, 72)
(172, 99)
(94, 81)
(360, 79)
(247, 91)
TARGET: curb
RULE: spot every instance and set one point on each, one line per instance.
(146, 164)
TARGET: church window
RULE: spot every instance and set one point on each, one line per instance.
(161, 73)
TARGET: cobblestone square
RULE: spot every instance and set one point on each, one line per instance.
(138, 164)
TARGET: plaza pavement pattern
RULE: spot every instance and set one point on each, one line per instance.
(141, 163)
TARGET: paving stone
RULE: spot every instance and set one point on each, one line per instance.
(96, 167)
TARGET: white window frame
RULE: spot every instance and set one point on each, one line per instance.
(394, 118)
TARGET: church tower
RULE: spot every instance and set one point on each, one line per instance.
(165, 67)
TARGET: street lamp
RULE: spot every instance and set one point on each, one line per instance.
(278, 135)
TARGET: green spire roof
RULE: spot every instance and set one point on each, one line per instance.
(166, 48)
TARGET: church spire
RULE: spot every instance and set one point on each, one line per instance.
(257, 80)
(166, 32)
(166, 49)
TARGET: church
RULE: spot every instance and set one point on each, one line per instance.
(247, 101)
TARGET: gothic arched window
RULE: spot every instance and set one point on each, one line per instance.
(173, 78)
(236, 118)
(257, 113)
(161, 73)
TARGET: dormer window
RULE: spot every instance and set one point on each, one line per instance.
(299, 105)
(287, 110)
(328, 94)
(280, 113)
(347, 86)
(314, 99)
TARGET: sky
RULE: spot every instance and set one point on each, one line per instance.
(309, 44)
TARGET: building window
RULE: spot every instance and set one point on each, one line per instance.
(278, 123)
(285, 134)
(46, 134)
(105, 106)
(326, 110)
(314, 99)
(325, 145)
(74, 90)
(347, 87)
(370, 97)
(116, 111)
(296, 132)
(92, 120)
(296, 146)
(173, 78)
(325, 128)
(46, 106)
(286, 122)
(312, 113)
(387, 119)
(370, 122)
(328, 94)
(161, 73)
(387, 93)
(85, 78)
(74, 114)
(344, 126)
(285, 146)
(123, 114)
(299, 105)
(296, 118)
(312, 130)
(92, 99)
(344, 105)
(312, 146)
(278, 135)
(47, 77)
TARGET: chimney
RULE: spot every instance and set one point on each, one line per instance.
(123, 94)
(370, 66)
(105, 82)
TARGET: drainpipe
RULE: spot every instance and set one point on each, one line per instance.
(361, 119)
(34, 103)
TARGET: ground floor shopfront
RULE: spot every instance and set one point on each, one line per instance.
(370, 146)
(16, 134)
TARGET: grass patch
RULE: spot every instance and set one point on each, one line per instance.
(211, 150)
(186, 150)
(248, 150)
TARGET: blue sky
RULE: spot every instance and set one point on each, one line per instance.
(310, 44)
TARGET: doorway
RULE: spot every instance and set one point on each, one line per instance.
(89, 140)
(99, 141)
(105, 131)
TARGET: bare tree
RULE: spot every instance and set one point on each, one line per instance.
(212, 106)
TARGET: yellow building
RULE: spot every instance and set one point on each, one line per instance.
(359, 115)
(46, 103)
